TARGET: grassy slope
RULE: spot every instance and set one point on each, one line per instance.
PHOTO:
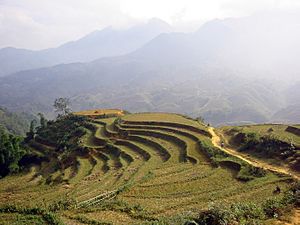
(155, 187)
(278, 131)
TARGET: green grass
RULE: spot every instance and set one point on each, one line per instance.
(188, 138)
(162, 117)
(148, 187)
(19, 219)
(279, 131)
(84, 169)
(275, 155)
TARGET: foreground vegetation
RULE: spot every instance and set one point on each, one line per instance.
(11, 153)
(147, 168)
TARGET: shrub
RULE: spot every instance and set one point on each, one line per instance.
(62, 204)
(235, 129)
(48, 217)
(273, 207)
(215, 215)
(248, 140)
(51, 218)
(241, 213)
(292, 196)
(268, 145)
(249, 172)
(212, 152)
(247, 213)
(85, 220)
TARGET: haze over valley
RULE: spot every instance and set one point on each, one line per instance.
(229, 71)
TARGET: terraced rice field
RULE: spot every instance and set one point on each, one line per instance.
(147, 163)
(101, 112)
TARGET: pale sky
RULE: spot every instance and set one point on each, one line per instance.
(38, 24)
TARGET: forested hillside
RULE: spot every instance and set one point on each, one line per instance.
(16, 123)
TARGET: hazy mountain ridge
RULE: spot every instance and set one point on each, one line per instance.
(102, 43)
(289, 114)
(208, 96)
(211, 68)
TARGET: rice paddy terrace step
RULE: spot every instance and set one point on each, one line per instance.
(198, 130)
(191, 139)
(182, 146)
(156, 156)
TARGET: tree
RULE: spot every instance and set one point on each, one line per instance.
(200, 119)
(30, 134)
(43, 121)
(10, 153)
(62, 106)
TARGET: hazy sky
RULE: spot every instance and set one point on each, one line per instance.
(36, 24)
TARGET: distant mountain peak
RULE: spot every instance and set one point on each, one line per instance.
(215, 24)
(156, 24)
(105, 29)
(158, 21)
(106, 42)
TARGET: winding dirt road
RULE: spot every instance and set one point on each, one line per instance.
(216, 140)
(295, 220)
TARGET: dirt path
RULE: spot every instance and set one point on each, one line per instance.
(295, 220)
(216, 140)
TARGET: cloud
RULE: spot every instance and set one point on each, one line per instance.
(16, 27)
(39, 24)
(36, 24)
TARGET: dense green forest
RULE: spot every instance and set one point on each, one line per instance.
(12, 127)
(11, 152)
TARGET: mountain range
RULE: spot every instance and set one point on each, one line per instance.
(230, 71)
(101, 43)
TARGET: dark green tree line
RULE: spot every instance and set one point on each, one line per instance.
(10, 152)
